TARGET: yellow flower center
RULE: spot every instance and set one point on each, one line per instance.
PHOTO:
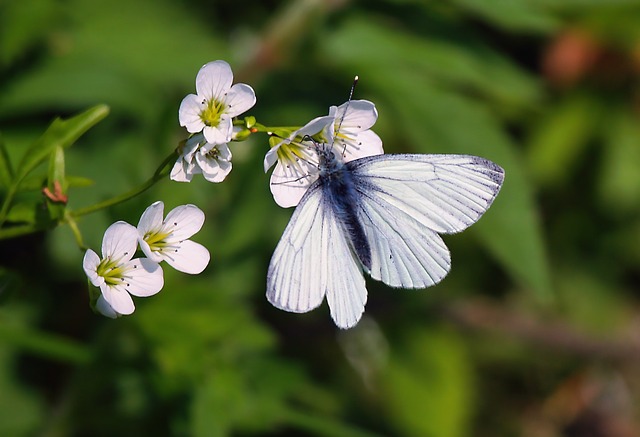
(211, 114)
(110, 271)
(157, 240)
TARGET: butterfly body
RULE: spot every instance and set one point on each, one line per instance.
(340, 194)
(382, 215)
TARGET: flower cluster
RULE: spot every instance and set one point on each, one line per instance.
(120, 276)
(211, 118)
(208, 115)
(347, 128)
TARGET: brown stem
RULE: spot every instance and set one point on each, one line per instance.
(550, 334)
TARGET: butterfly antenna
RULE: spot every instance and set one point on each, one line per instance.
(346, 108)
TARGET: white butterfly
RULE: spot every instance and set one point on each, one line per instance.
(379, 214)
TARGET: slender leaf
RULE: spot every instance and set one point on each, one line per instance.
(6, 171)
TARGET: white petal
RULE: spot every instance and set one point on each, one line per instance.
(151, 219)
(120, 241)
(239, 99)
(90, 264)
(221, 133)
(144, 277)
(314, 126)
(152, 255)
(179, 172)
(185, 220)
(288, 187)
(192, 144)
(224, 153)
(215, 171)
(190, 257)
(360, 116)
(117, 297)
(214, 80)
(105, 309)
(271, 157)
(189, 113)
(366, 143)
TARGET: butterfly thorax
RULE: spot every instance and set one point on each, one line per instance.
(340, 194)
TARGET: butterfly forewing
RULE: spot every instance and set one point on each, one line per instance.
(406, 199)
(314, 258)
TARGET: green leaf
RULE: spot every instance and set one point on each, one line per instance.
(22, 24)
(560, 137)
(56, 184)
(512, 15)
(6, 171)
(619, 179)
(428, 385)
(465, 64)
(61, 133)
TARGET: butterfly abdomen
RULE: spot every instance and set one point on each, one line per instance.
(339, 191)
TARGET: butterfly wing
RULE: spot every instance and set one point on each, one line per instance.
(314, 258)
(406, 200)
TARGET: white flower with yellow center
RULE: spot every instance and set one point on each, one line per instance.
(352, 137)
(212, 109)
(347, 128)
(119, 276)
(167, 240)
(296, 163)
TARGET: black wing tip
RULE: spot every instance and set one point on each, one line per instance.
(495, 172)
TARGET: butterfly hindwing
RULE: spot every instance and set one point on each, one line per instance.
(314, 258)
(406, 200)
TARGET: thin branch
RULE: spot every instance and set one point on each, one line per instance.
(549, 334)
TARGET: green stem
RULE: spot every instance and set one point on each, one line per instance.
(163, 170)
(323, 426)
(17, 231)
(11, 192)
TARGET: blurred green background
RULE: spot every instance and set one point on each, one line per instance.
(535, 332)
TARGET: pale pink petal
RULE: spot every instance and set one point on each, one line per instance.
(120, 241)
(190, 257)
(143, 277)
(189, 113)
(214, 80)
(239, 99)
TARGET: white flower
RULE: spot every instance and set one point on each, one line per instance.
(352, 136)
(296, 163)
(216, 103)
(168, 240)
(214, 161)
(347, 128)
(186, 165)
(119, 276)
(198, 156)
(103, 307)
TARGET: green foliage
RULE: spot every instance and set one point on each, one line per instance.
(542, 297)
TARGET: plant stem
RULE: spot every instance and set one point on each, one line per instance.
(162, 171)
